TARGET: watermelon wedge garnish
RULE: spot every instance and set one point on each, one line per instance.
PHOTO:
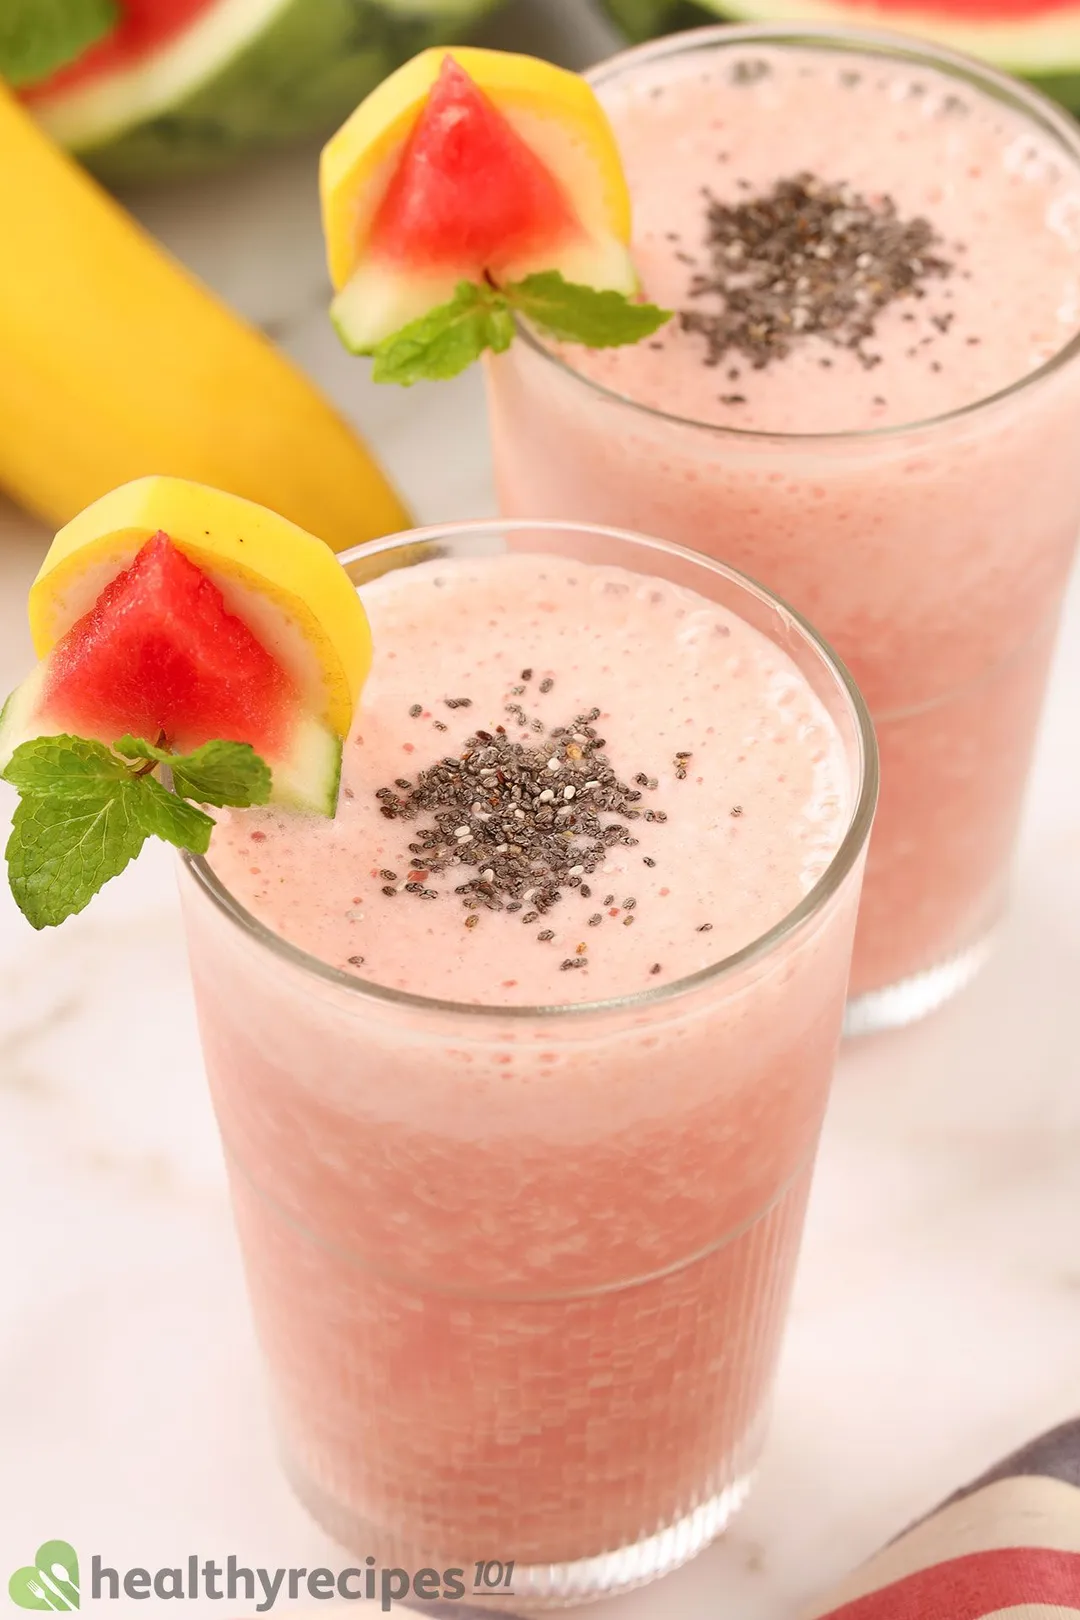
(469, 194)
(471, 186)
(160, 656)
(181, 615)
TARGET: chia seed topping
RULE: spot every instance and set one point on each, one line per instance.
(526, 821)
(807, 259)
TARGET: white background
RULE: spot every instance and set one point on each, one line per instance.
(937, 1318)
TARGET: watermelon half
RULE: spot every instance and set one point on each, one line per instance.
(183, 85)
(1032, 38)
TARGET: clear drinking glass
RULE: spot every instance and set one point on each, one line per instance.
(932, 556)
(520, 1274)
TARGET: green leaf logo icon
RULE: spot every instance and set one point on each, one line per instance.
(50, 1582)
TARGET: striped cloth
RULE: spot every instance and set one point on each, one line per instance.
(1005, 1548)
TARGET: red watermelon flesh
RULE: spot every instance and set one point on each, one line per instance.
(143, 27)
(987, 11)
(468, 192)
(159, 652)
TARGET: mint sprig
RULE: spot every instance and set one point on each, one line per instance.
(600, 319)
(447, 339)
(85, 810)
(39, 36)
(218, 773)
(480, 316)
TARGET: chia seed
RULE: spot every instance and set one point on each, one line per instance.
(807, 259)
(491, 808)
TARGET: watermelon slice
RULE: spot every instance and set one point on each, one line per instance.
(1032, 38)
(468, 167)
(160, 656)
(182, 85)
(463, 147)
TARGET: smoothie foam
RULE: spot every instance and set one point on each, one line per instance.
(749, 774)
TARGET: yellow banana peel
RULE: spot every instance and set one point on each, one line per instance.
(115, 362)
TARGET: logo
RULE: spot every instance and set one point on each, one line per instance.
(50, 1582)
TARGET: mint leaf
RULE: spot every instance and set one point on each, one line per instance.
(162, 815)
(447, 339)
(218, 773)
(84, 813)
(64, 766)
(222, 773)
(138, 748)
(39, 36)
(576, 314)
(62, 850)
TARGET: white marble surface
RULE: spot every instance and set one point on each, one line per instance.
(937, 1318)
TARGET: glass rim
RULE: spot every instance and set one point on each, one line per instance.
(830, 881)
(1023, 97)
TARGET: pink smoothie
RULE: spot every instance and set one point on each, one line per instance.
(520, 1276)
(749, 776)
(932, 558)
(1001, 198)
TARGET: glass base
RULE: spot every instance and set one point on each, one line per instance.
(918, 996)
(536, 1587)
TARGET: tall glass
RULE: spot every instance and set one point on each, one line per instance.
(932, 556)
(520, 1274)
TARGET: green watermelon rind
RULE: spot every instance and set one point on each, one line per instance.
(306, 777)
(17, 715)
(303, 68)
(1019, 47)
